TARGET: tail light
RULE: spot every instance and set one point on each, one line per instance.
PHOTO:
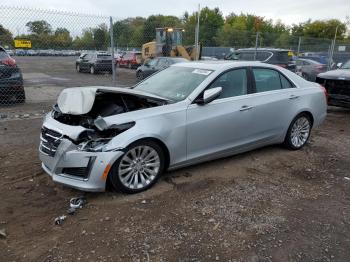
(324, 92)
(9, 61)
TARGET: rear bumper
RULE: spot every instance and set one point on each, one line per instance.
(103, 67)
(339, 100)
(10, 87)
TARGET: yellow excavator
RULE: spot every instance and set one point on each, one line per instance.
(169, 44)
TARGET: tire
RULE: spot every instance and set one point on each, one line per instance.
(298, 132)
(139, 178)
(21, 97)
(92, 70)
(77, 67)
(139, 75)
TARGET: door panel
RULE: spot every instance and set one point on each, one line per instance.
(218, 126)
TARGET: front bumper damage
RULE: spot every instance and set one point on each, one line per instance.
(86, 171)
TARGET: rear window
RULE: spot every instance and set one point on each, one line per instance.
(104, 56)
(281, 57)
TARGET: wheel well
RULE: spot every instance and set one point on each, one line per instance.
(162, 145)
(309, 115)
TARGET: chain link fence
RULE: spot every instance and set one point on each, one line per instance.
(45, 51)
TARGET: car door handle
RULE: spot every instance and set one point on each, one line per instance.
(245, 108)
(293, 97)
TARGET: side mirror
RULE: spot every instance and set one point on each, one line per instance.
(209, 95)
(339, 65)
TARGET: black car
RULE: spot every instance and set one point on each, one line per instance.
(337, 84)
(11, 80)
(151, 66)
(94, 63)
(275, 56)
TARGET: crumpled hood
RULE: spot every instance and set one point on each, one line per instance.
(342, 74)
(79, 100)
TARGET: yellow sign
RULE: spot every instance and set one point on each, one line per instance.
(20, 43)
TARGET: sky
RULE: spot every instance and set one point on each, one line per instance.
(288, 11)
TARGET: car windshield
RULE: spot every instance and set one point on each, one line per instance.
(346, 65)
(174, 83)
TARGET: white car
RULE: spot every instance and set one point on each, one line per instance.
(185, 114)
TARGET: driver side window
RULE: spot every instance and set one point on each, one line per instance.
(233, 83)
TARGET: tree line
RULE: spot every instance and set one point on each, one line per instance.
(234, 30)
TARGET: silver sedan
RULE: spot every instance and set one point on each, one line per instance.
(185, 114)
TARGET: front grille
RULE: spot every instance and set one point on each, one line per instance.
(50, 140)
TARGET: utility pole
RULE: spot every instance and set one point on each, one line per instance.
(256, 44)
(196, 37)
(112, 49)
(299, 43)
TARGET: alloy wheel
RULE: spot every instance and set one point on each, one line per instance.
(300, 132)
(139, 167)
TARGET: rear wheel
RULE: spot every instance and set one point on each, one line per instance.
(139, 168)
(21, 97)
(298, 132)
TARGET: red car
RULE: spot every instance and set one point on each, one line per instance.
(131, 60)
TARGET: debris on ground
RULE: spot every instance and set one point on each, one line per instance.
(3, 233)
(347, 178)
(77, 202)
(60, 220)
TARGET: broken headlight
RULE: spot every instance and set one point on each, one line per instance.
(96, 140)
(94, 145)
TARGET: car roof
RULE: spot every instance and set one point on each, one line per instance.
(308, 60)
(221, 65)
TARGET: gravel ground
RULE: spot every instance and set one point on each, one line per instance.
(270, 204)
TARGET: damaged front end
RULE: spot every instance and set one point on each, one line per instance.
(75, 135)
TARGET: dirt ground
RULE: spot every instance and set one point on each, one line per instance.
(270, 204)
(267, 205)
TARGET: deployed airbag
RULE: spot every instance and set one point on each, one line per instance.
(76, 101)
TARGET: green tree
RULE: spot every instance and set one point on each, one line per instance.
(39, 27)
(62, 39)
(6, 37)
(100, 37)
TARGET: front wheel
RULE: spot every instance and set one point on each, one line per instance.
(139, 168)
(298, 132)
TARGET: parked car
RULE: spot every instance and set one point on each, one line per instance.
(32, 52)
(20, 52)
(337, 84)
(309, 69)
(131, 60)
(151, 66)
(10, 52)
(11, 80)
(185, 114)
(274, 56)
(94, 63)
